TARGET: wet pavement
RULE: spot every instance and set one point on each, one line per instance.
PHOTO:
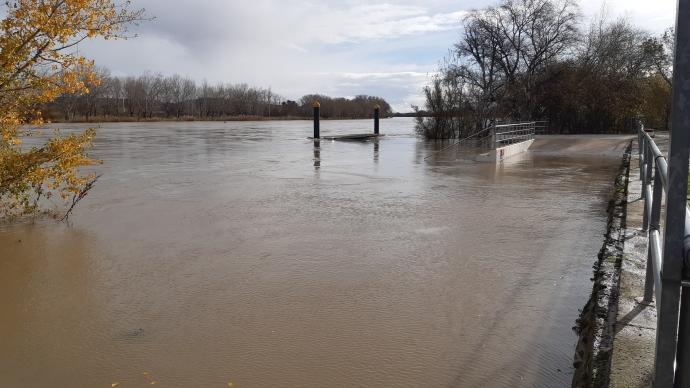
(211, 253)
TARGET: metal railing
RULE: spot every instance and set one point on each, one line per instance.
(541, 127)
(506, 134)
(667, 262)
(665, 266)
(500, 135)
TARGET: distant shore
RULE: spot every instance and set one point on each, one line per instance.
(114, 119)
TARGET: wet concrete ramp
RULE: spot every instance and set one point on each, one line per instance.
(589, 145)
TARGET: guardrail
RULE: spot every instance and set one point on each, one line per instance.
(665, 265)
(506, 134)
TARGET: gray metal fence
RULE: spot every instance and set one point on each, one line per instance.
(668, 265)
(541, 127)
(506, 134)
(665, 266)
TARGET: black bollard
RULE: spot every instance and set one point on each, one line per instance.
(317, 107)
(376, 119)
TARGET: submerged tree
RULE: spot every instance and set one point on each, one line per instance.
(501, 59)
(657, 105)
(609, 81)
(659, 50)
(38, 63)
(530, 59)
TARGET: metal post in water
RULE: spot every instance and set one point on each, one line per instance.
(317, 117)
(671, 342)
(376, 119)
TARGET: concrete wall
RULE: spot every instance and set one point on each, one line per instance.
(503, 153)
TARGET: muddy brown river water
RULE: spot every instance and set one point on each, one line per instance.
(217, 253)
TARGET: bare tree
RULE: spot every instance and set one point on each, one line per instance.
(659, 50)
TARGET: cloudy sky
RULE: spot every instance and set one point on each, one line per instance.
(340, 48)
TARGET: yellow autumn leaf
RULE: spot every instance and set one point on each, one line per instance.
(37, 65)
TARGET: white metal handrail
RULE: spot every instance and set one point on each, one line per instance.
(505, 134)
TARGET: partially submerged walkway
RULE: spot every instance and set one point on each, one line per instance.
(589, 145)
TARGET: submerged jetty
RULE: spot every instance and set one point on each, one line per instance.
(353, 137)
(350, 137)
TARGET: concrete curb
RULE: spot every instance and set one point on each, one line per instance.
(596, 326)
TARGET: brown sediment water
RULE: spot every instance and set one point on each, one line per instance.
(216, 253)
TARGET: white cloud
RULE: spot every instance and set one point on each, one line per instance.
(298, 47)
(652, 15)
(382, 21)
(385, 76)
(405, 85)
(337, 47)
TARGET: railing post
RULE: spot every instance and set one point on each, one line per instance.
(641, 145)
(674, 231)
(650, 165)
(678, 184)
(534, 130)
(317, 117)
(645, 174)
(654, 224)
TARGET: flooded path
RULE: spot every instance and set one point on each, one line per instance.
(211, 253)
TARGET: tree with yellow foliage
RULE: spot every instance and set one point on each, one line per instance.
(38, 63)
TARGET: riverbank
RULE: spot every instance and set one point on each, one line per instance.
(117, 119)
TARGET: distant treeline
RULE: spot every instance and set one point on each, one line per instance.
(527, 60)
(154, 96)
(418, 113)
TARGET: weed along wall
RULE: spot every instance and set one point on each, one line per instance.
(595, 327)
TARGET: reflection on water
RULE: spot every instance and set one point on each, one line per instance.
(211, 253)
(317, 154)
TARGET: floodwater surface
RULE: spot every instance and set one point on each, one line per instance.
(211, 254)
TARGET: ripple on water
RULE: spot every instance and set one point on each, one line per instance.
(216, 252)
